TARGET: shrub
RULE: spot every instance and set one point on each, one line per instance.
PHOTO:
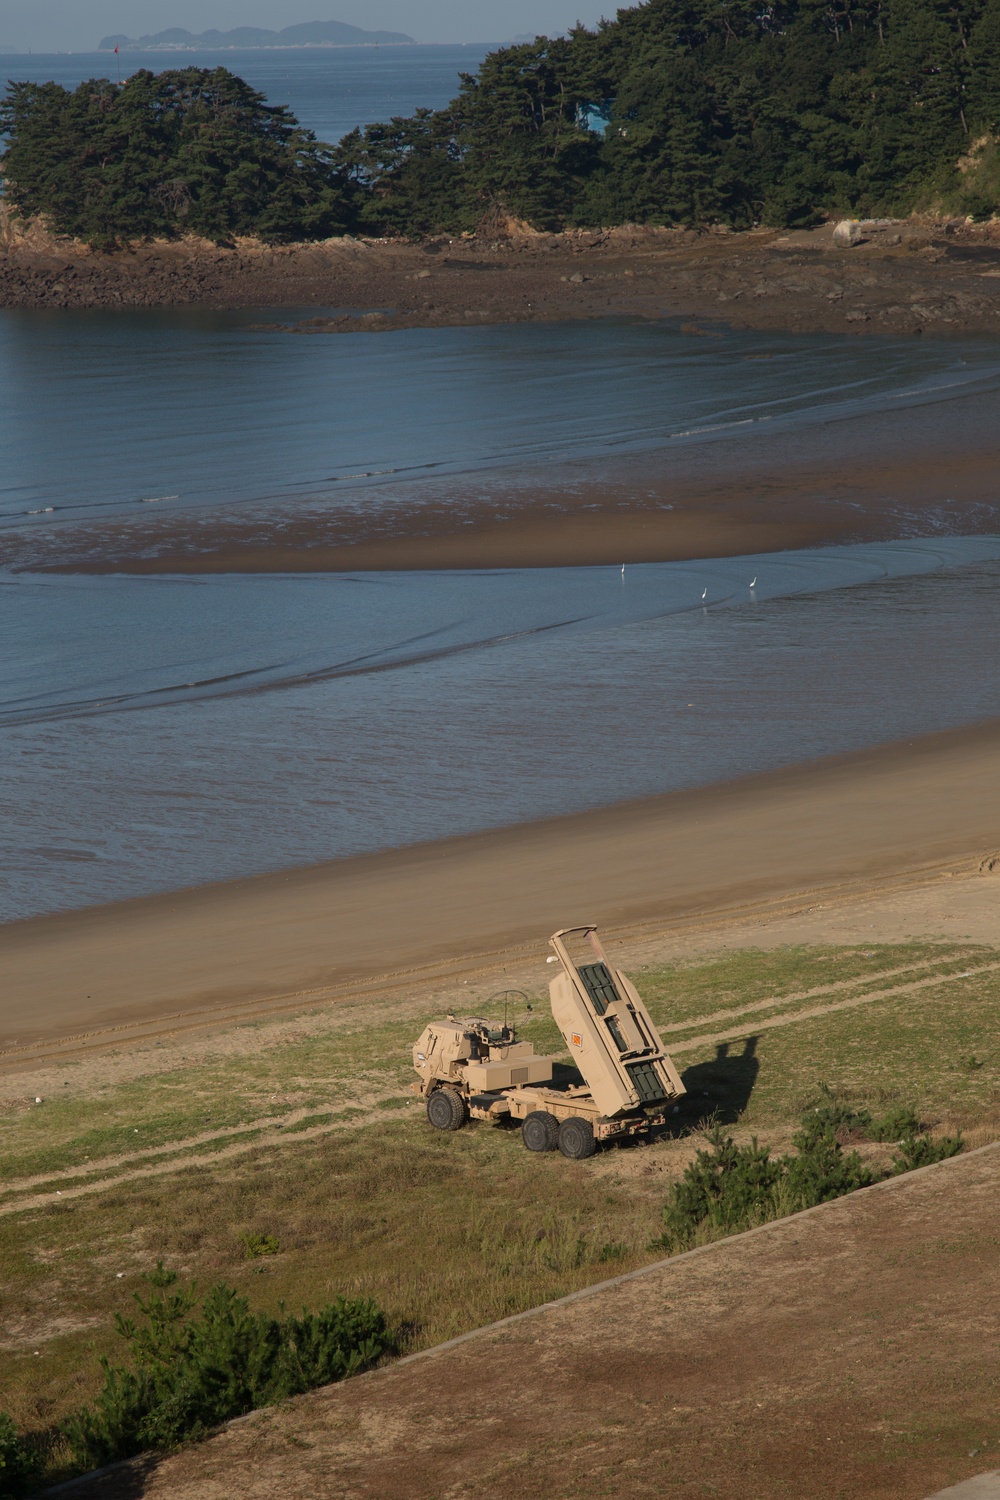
(726, 1188)
(821, 1170)
(894, 1125)
(922, 1151)
(836, 1118)
(19, 1466)
(255, 1245)
(192, 1371)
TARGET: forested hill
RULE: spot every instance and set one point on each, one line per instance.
(677, 111)
(689, 111)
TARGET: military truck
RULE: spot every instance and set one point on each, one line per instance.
(480, 1070)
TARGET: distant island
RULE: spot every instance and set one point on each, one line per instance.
(245, 38)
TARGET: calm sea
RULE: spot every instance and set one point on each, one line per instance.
(158, 732)
(131, 415)
(329, 89)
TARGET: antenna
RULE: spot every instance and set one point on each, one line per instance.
(510, 999)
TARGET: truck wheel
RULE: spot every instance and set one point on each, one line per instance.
(576, 1138)
(445, 1110)
(540, 1131)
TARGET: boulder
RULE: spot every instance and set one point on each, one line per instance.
(848, 232)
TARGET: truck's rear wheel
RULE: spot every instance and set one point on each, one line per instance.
(446, 1110)
(540, 1131)
(576, 1138)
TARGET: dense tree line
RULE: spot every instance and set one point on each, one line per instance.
(689, 111)
(183, 150)
(676, 111)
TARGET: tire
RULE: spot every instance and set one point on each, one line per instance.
(540, 1131)
(576, 1138)
(446, 1110)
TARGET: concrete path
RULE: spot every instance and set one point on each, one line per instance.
(982, 1487)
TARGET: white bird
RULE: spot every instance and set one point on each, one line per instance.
(623, 572)
(753, 581)
(704, 593)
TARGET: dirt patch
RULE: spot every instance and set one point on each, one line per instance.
(848, 1352)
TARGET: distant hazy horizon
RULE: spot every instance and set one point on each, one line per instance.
(63, 26)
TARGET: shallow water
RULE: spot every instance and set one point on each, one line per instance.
(128, 415)
(161, 732)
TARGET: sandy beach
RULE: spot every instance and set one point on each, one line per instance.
(910, 811)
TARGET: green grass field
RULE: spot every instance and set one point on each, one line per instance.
(356, 1194)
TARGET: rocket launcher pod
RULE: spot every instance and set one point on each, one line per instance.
(608, 1030)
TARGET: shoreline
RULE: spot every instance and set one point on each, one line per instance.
(892, 472)
(877, 476)
(907, 277)
(303, 934)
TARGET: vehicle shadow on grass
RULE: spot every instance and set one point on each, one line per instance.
(716, 1092)
(720, 1090)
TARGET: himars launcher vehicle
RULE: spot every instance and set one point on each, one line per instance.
(476, 1069)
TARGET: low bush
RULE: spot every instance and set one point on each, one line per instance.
(255, 1245)
(822, 1170)
(19, 1467)
(728, 1188)
(191, 1371)
(923, 1151)
(895, 1125)
(837, 1118)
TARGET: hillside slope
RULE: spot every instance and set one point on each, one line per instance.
(845, 1353)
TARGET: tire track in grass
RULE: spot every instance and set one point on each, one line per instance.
(282, 1128)
(751, 1028)
(166, 1148)
(180, 1163)
(822, 989)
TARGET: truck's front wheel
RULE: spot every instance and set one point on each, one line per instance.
(446, 1110)
(540, 1131)
(576, 1138)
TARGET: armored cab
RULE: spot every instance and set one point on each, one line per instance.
(608, 1030)
(478, 1057)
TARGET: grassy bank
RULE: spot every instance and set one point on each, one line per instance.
(333, 1183)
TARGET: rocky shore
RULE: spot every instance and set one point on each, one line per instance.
(899, 278)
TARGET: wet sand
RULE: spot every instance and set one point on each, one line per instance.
(915, 471)
(853, 819)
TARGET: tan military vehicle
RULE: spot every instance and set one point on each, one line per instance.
(480, 1070)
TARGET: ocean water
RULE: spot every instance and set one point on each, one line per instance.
(160, 732)
(329, 89)
(126, 416)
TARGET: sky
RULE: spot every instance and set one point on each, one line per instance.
(78, 25)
